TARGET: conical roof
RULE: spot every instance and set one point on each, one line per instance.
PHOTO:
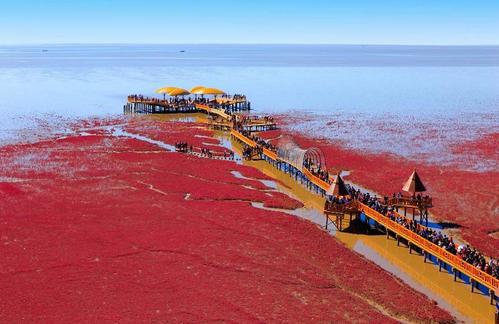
(338, 187)
(414, 184)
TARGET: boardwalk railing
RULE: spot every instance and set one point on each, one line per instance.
(316, 180)
(243, 138)
(443, 255)
(215, 111)
(150, 101)
(411, 202)
(270, 154)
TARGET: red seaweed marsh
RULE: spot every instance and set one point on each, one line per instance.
(98, 227)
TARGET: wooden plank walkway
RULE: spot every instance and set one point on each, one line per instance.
(213, 111)
(243, 138)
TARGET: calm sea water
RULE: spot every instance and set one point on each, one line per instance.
(410, 86)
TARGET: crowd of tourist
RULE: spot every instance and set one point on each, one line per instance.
(258, 140)
(183, 147)
(228, 155)
(465, 252)
(316, 170)
(203, 100)
(335, 204)
(415, 199)
(173, 102)
(239, 121)
(249, 152)
(237, 96)
(206, 152)
(140, 98)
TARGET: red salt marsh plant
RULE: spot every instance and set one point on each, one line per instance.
(113, 229)
(173, 132)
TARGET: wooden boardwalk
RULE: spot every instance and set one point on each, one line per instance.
(459, 265)
(226, 122)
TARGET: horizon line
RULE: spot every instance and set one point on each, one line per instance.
(214, 43)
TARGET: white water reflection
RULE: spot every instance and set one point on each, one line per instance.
(120, 132)
(309, 214)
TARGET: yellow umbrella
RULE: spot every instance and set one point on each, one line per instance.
(164, 90)
(212, 91)
(178, 92)
(197, 90)
(173, 91)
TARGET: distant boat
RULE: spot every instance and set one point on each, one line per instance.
(45, 50)
(182, 51)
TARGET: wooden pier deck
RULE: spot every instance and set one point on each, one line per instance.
(148, 105)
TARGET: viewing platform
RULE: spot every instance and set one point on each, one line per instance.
(222, 109)
(183, 101)
(150, 105)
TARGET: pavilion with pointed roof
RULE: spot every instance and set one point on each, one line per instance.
(416, 202)
(335, 212)
(414, 184)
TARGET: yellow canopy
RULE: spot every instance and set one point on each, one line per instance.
(178, 92)
(164, 90)
(173, 91)
(211, 91)
(197, 90)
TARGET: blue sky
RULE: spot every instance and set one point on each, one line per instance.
(257, 21)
